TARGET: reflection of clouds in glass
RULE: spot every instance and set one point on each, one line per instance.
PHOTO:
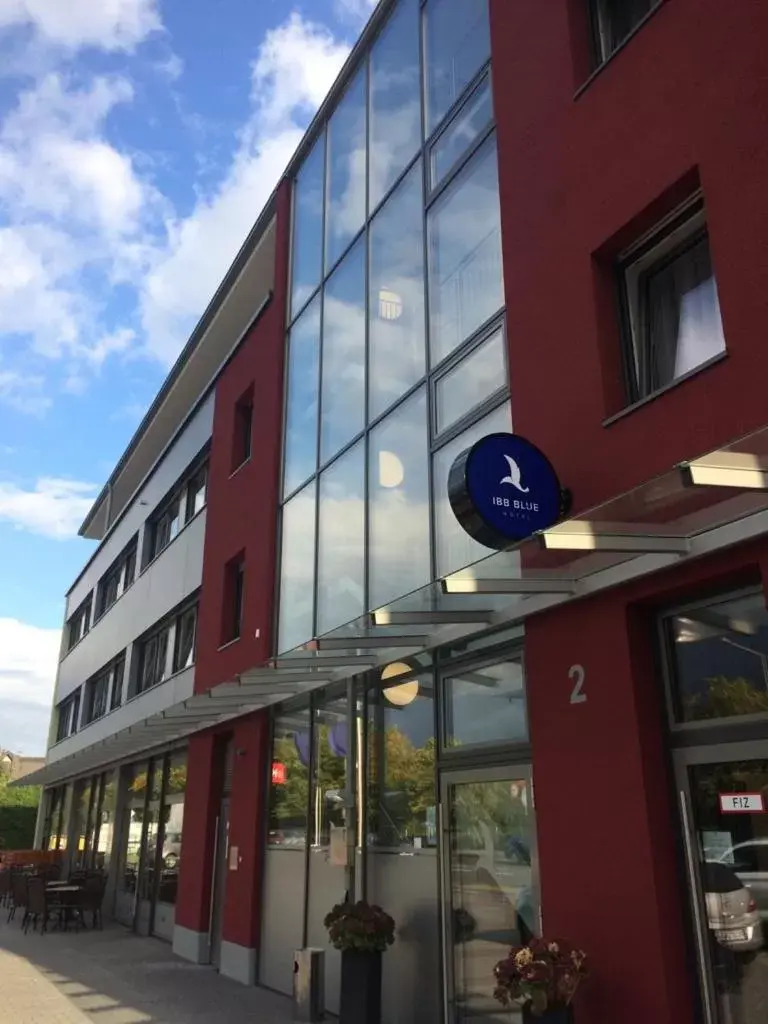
(301, 401)
(297, 570)
(700, 329)
(341, 541)
(397, 269)
(308, 227)
(399, 515)
(474, 117)
(395, 107)
(475, 378)
(343, 401)
(455, 548)
(457, 44)
(346, 170)
(465, 273)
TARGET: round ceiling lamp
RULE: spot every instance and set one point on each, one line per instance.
(391, 471)
(401, 694)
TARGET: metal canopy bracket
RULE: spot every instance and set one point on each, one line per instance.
(579, 535)
(727, 469)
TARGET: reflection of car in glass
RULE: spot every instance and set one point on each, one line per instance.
(171, 850)
(749, 860)
(732, 914)
(288, 837)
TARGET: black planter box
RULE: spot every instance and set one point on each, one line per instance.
(360, 988)
(562, 1015)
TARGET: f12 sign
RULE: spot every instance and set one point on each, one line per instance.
(742, 803)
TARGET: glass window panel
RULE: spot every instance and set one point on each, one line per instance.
(471, 381)
(106, 824)
(297, 570)
(133, 818)
(395, 105)
(486, 705)
(720, 660)
(341, 541)
(396, 314)
(683, 316)
(398, 494)
(289, 789)
(457, 41)
(616, 19)
(308, 226)
(401, 763)
(173, 824)
(465, 274)
(473, 118)
(346, 170)
(300, 459)
(455, 548)
(343, 387)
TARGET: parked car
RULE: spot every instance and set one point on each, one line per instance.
(749, 860)
(732, 914)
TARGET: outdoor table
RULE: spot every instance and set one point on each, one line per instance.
(66, 889)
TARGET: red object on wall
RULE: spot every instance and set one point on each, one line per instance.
(279, 774)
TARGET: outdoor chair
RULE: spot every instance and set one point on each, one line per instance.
(90, 899)
(18, 894)
(5, 887)
(40, 906)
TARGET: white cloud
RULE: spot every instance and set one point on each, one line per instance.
(53, 508)
(107, 24)
(295, 67)
(27, 676)
(355, 9)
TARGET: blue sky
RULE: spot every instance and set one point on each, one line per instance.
(138, 141)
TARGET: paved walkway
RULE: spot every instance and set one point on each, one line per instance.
(113, 977)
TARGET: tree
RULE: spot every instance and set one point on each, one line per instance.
(725, 698)
(18, 814)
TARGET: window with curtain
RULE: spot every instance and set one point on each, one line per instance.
(673, 312)
(614, 20)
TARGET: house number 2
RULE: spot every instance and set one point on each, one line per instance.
(578, 675)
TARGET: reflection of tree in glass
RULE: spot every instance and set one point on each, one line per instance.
(491, 805)
(401, 793)
(177, 778)
(288, 801)
(725, 698)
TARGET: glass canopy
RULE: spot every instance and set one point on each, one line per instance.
(697, 508)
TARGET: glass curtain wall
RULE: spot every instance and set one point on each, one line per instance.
(169, 844)
(94, 809)
(407, 728)
(396, 351)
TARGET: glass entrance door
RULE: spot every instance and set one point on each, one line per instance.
(724, 806)
(490, 884)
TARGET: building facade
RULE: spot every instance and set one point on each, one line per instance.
(545, 219)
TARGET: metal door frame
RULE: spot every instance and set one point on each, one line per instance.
(685, 758)
(453, 777)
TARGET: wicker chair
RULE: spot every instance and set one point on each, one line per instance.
(90, 899)
(39, 906)
(18, 894)
(5, 887)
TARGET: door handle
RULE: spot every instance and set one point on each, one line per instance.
(698, 922)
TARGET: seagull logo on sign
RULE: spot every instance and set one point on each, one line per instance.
(515, 477)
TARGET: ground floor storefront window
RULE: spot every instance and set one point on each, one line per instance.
(150, 844)
(409, 788)
(717, 675)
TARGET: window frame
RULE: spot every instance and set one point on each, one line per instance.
(242, 438)
(656, 250)
(238, 598)
(68, 714)
(599, 26)
(81, 619)
(158, 642)
(191, 612)
(176, 507)
(119, 577)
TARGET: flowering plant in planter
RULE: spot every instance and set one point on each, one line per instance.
(543, 974)
(362, 927)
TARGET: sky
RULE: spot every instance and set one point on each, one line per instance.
(139, 140)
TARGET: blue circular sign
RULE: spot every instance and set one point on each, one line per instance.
(503, 489)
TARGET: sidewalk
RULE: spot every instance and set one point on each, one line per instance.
(113, 977)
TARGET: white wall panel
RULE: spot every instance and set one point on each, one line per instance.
(174, 690)
(196, 433)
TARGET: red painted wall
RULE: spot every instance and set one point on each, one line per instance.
(243, 506)
(242, 909)
(606, 812)
(242, 520)
(688, 94)
(201, 806)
